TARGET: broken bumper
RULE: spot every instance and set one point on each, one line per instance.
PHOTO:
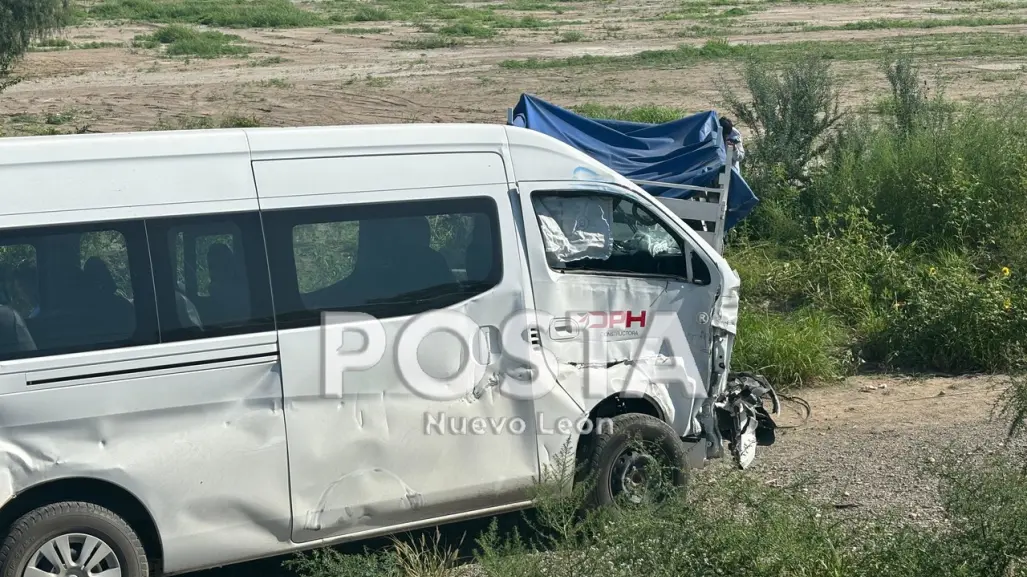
(743, 418)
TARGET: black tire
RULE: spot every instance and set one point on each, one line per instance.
(633, 430)
(36, 528)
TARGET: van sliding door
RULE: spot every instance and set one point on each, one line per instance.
(412, 426)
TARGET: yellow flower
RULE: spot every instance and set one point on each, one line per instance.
(1005, 271)
(931, 271)
(1007, 305)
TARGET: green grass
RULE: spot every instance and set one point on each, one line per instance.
(896, 23)
(570, 37)
(441, 16)
(467, 29)
(178, 40)
(221, 13)
(649, 113)
(736, 526)
(790, 349)
(933, 45)
(50, 44)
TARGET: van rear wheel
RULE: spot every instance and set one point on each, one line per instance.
(639, 459)
(72, 539)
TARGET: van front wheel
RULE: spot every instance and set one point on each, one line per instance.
(636, 458)
(72, 539)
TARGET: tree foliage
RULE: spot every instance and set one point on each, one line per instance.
(21, 21)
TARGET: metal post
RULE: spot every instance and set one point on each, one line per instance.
(724, 184)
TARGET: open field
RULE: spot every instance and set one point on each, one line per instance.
(431, 60)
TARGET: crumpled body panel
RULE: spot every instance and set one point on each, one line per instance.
(608, 338)
(156, 437)
(381, 454)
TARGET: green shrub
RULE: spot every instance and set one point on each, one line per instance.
(958, 317)
(226, 13)
(795, 348)
(179, 40)
(790, 111)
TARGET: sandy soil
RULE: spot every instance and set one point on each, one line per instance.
(869, 444)
(316, 76)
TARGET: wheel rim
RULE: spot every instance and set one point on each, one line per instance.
(632, 477)
(74, 555)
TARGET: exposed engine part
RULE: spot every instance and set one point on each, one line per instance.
(744, 418)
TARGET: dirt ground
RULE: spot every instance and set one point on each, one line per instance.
(323, 76)
(869, 444)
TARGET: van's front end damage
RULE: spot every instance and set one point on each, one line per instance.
(735, 410)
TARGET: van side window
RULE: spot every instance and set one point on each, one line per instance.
(211, 276)
(70, 289)
(386, 260)
(108, 247)
(595, 232)
(19, 290)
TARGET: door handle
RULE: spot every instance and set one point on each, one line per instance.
(563, 328)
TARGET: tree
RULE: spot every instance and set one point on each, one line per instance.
(21, 21)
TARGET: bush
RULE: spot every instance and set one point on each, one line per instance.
(791, 112)
(790, 348)
(902, 226)
(179, 40)
(960, 318)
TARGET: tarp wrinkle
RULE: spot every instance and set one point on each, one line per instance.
(686, 151)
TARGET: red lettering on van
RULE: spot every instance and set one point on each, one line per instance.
(611, 319)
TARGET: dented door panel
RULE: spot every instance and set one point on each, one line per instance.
(202, 447)
(597, 329)
(381, 456)
(376, 453)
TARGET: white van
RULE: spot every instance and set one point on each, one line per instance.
(167, 297)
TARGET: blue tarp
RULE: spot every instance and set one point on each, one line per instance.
(685, 151)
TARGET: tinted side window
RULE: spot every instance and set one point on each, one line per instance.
(595, 232)
(385, 259)
(211, 276)
(74, 289)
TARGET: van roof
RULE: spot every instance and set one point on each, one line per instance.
(109, 176)
(260, 142)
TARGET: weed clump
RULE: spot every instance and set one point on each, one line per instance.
(178, 40)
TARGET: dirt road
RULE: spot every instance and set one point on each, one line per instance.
(868, 441)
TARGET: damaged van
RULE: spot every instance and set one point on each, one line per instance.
(173, 303)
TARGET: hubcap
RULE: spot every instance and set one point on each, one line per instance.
(74, 555)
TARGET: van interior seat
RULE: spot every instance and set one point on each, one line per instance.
(394, 257)
(104, 302)
(229, 294)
